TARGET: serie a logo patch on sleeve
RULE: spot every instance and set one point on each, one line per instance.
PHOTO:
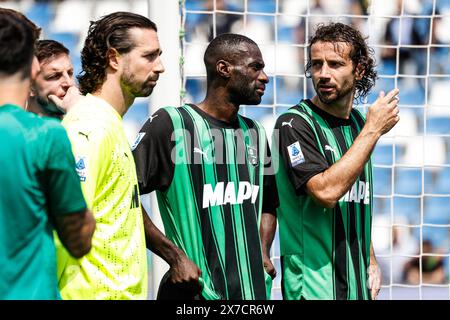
(80, 166)
(295, 154)
(139, 137)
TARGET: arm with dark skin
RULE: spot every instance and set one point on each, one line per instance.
(267, 233)
(183, 271)
(75, 232)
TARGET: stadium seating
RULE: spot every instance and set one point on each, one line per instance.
(382, 181)
(407, 207)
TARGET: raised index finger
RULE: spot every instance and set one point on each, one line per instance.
(392, 94)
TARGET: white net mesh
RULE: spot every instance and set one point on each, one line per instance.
(411, 223)
(411, 164)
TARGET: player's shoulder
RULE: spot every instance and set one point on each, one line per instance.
(91, 121)
(250, 123)
(160, 120)
(52, 127)
(295, 115)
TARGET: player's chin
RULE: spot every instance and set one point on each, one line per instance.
(327, 99)
(144, 92)
(253, 100)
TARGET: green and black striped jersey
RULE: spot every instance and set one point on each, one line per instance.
(324, 252)
(209, 176)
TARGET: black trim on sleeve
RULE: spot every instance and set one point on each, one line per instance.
(152, 155)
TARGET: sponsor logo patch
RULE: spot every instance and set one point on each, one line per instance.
(80, 166)
(295, 154)
(139, 137)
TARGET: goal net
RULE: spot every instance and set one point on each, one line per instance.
(411, 217)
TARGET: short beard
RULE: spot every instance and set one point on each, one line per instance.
(136, 89)
(243, 93)
(339, 94)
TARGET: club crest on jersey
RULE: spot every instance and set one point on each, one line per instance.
(252, 154)
(139, 137)
(80, 166)
(295, 154)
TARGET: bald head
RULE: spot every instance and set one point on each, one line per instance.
(229, 47)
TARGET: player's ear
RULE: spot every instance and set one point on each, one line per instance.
(223, 68)
(359, 72)
(113, 58)
(35, 68)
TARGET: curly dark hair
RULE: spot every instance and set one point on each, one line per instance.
(361, 54)
(111, 31)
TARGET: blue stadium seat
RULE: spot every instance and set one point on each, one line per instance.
(408, 181)
(266, 6)
(255, 112)
(438, 125)
(195, 4)
(68, 39)
(268, 94)
(286, 34)
(387, 67)
(381, 206)
(382, 184)
(412, 96)
(382, 84)
(138, 112)
(430, 181)
(442, 185)
(436, 210)
(41, 13)
(383, 154)
(195, 89)
(76, 62)
(407, 207)
(286, 95)
(280, 110)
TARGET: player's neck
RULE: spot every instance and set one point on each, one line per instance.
(219, 108)
(340, 108)
(111, 92)
(14, 90)
(33, 106)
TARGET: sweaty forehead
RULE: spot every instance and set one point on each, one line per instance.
(337, 49)
(245, 51)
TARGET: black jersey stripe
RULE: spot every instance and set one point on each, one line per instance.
(340, 258)
(230, 160)
(231, 268)
(345, 142)
(191, 184)
(365, 176)
(239, 211)
(248, 210)
(216, 214)
(210, 248)
(339, 241)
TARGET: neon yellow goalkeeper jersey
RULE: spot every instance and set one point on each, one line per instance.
(116, 266)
